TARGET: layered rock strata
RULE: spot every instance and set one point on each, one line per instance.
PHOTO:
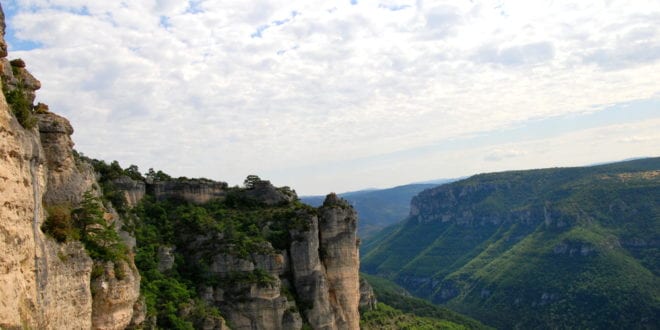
(198, 191)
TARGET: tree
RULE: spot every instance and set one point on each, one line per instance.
(251, 180)
(89, 216)
(99, 237)
(133, 172)
(157, 176)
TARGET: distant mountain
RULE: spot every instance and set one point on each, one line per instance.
(378, 208)
(551, 248)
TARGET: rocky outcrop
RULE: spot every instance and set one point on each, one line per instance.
(115, 292)
(251, 296)
(67, 179)
(44, 284)
(165, 258)
(16, 76)
(309, 278)
(196, 191)
(368, 299)
(325, 265)
(313, 281)
(133, 190)
(339, 253)
(265, 193)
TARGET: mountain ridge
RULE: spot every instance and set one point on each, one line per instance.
(474, 244)
(379, 208)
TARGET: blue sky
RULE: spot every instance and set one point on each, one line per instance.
(339, 96)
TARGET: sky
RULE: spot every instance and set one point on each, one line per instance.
(340, 96)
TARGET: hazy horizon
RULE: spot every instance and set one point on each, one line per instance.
(337, 97)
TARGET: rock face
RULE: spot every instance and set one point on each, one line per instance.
(367, 297)
(45, 284)
(265, 193)
(314, 280)
(339, 254)
(23, 181)
(133, 190)
(197, 191)
(115, 293)
(67, 179)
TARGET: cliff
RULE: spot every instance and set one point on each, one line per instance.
(197, 191)
(44, 283)
(261, 259)
(81, 239)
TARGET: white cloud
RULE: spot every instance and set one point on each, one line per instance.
(184, 86)
(500, 154)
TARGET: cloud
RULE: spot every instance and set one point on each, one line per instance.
(442, 21)
(500, 154)
(222, 90)
(533, 53)
(394, 7)
(639, 138)
(625, 54)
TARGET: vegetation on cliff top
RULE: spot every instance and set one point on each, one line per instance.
(17, 98)
(236, 225)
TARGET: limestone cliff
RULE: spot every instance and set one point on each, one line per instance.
(309, 276)
(44, 284)
(321, 265)
(192, 190)
(325, 263)
(302, 270)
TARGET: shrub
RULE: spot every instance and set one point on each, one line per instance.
(59, 224)
(99, 237)
(21, 107)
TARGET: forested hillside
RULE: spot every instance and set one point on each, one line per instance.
(561, 247)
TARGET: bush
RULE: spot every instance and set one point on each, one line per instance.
(21, 107)
(59, 224)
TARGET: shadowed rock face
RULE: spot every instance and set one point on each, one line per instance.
(133, 190)
(196, 191)
(265, 193)
(367, 297)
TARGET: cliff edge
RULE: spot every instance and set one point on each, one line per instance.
(46, 283)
